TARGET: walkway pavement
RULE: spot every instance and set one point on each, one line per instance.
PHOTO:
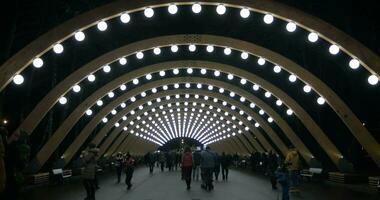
(168, 186)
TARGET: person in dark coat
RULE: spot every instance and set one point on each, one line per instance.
(90, 162)
(225, 162)
(187, 166)
(207, 166)
(129, 165)
(196, 164)
(272, 166)
(150, 161)
(217, 166)
(119, 165)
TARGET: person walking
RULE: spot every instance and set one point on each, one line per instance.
(162, 159)
(217, 166)
(282, 176)
(119, 165)
(292, 162)
(89, 160)
(150, 162)
(187, 166)
(196, 164)
(225, 162)
(129, 165)
(207, 167)
(272, 166)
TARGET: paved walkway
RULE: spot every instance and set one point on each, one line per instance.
(168, 186)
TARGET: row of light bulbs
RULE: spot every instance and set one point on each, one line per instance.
(197, 8)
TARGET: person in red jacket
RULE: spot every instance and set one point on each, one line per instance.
(187, 166)
(129, 164)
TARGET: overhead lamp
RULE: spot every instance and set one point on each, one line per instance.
(63, 100)
(18, 79)
(291, 26)
(123, 61)
(58, 48)
(268, 18)
(38, 62)
(79, 36)
(148, 12)
(221, 9)
(125, 18)
(102, 26)
(172, 9)
(244, 12)
(312, 37)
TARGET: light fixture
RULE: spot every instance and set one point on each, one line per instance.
(221, 9)
(244, 13)
(257, 124)
(289, 112)
(117, 124)
(354, 63)
(38, 62)
(174, 48)
(244, 55)
(105, 120)
(148, 12)
(196, 8)
(267, 94)
(230, 76)
(255, 87)
(162, 73)
(125, 18)
(192, 47)
(135, 81)
(373, 79)
(63, 100)
(210, 87)
(99, 102)
(306, 88)
(79, 36)
(58, 48)
(113, 112)
(175, 71)
(243, 81)
(89, 112)
(292, 78)
(210, 48)
(106, 68)
(321, 100)
(189, 70)
(227, 51)
(148, 76)
(312, 37)
(91, 78)
(261, 61)
(261, 112)
(18, 79)
(270, 119)
(216, 73)
(277, 69)
(139, 55)
(268, 18)
(123, 87)
(102, 26)
(334, 49)
(278, 102)
(157, 51)
(76, 88)
(111, 94)
(291, 26)
(252, 105)
(172, 9)
(123, 61)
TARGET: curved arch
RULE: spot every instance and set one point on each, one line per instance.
(304, 117)
(352, 47)
(342, 110)
(234, 143)
(98, 138)
(70, 121)
(116, 131)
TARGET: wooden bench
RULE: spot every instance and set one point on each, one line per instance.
(60, 175)
(310, 173)
(41, 178)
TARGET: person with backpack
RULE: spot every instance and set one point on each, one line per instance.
(187, 166)
(129, 165)
(196, 164)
